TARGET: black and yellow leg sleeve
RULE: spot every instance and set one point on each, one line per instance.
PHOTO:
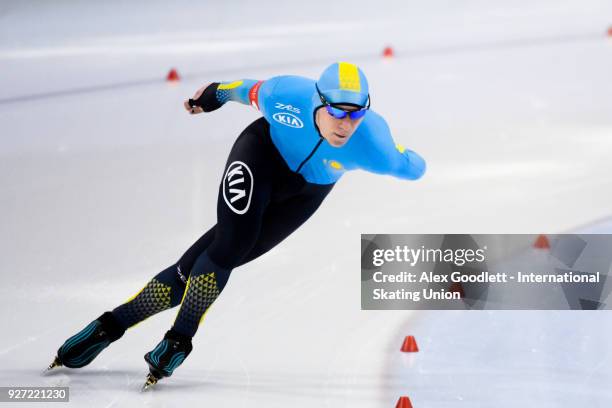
(205, 283)
(163, 292)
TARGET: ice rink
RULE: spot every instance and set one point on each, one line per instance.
(105, 181)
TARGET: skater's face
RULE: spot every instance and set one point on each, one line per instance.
(337, 131)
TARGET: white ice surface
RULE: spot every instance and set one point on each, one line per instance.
(101, 188)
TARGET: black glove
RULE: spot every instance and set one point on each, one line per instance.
(208, 100)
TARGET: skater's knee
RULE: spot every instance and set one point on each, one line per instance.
(173, 279)
(206, 264)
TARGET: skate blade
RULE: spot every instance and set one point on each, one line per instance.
(56, 363)
(150, 382)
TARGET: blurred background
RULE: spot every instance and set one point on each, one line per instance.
(105, 181)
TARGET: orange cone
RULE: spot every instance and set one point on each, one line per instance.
(403, 402)
(610, 31)
(173, 76)
(541, 242)
(457, 287)
(388, 52)
(410, 345)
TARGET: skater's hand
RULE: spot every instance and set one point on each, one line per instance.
(191, 105)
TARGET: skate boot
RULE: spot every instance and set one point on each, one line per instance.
(80, 349)
(166, 357)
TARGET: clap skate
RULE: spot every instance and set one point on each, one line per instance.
(80, 349)
(166, 357)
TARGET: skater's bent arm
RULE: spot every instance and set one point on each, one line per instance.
(212, 96)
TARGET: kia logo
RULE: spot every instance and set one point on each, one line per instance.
(238, 187)
(288, 119)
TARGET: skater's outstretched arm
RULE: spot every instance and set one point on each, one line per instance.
(212, 96)
(384, 156)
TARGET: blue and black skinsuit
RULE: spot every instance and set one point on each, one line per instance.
(278, 173)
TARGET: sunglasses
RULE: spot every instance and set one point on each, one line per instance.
(340, 113)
